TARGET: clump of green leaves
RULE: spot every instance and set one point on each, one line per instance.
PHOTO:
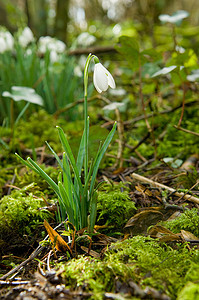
(189, 220)
(114, 205)
(142, 259)
(77, 200)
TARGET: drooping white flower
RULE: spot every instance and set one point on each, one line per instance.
(85, 39)
(102, 78)
(53, 56)
(9, 40)
(51, 44)
(6, 41)
(26, 37)
(177, 17)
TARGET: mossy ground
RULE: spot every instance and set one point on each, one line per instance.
(172, 270)
(140, 259)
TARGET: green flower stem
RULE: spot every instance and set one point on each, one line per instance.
(86, 111)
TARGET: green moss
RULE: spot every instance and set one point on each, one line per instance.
(115, 206)
(189, 220)
(41, 187)
(20, 212)
(142, 259)
(189, 292)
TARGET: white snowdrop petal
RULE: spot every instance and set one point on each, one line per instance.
(101, 78)
(95, 83)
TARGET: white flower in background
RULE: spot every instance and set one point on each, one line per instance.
(51, 44)
(54, 57)
(60, 46)
(6, 41)
(102, 78)
(9, 40)
(164, 71)
(28, 52)
(194, 75)
(180, 49)
(77, 71)
(113, 106)
(85, 39)
(177, 17)
(26, 37)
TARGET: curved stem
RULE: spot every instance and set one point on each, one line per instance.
(90, 56)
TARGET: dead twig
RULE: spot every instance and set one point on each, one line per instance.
(95, 50)
(185, 130)
(162, 186)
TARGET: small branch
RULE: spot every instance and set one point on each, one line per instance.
(95, 50)
(186, 130)
(162, 186)
(153, 114)
(183, 105)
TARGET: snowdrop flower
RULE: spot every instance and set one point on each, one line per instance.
(102, 78)
(9, 40)
(6, 41)
(177, 17)
(53, 56)
(85, 39)
(26, 37)
(51, 44)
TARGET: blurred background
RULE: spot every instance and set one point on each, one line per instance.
(65, 19)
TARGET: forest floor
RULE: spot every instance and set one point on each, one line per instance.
(145, 244)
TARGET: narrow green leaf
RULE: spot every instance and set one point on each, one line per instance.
(93, 211)
(67, 202)
(67, 180)
(44, 175)
(55, 155)
(100, 156)
(27, 163)
(70, 156)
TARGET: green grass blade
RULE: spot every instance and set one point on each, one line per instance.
(55, 155)
(70, 156)
(67, 202)
(100, 156)
(27, 163)
(93, 211)
(45, 176)
(67, 180)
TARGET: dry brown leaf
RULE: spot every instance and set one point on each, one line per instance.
(141, 188)
(140, 222)
(164, 234)
(188, 236)
(60, 244)
(90, 252)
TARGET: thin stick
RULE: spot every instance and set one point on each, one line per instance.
(162, 186)
(186, 130)
(183, 104)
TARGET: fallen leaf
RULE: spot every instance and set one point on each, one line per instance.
(60, 244)
(188, 236)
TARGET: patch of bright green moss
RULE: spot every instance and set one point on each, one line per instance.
(141, 259)
(189, 292)
(20, 212)
(114, 205)
(189, 220)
